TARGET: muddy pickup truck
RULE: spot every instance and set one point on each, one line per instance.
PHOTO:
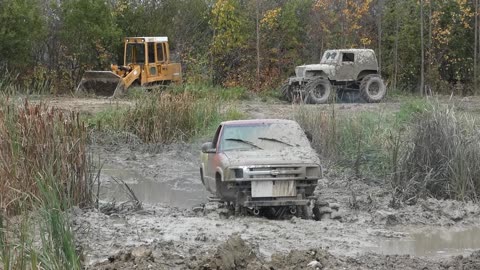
(263, 165)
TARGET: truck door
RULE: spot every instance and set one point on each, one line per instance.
(151, 64)
(162, 59)
(212, 163)
(345, 69)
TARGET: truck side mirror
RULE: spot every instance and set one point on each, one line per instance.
(208, 148)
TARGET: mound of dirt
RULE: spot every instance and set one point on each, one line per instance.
(305, 259)
(235, 253)
(465, 263)
(138, 258)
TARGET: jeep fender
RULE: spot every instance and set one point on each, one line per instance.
(316, 73)
(364, 73)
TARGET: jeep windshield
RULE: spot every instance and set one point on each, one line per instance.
(330, 57)
(262, 136)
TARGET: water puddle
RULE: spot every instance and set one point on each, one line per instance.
(175, 192)
(433, 242)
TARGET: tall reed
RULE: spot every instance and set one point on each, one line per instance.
(441, 158)
(35, 139)
(44, 169)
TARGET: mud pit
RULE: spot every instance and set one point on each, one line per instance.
(433, 242)
(172, 232)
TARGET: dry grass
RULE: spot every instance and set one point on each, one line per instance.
(424, 150)
(36, 142)
(162, 117)
(44, 169)
(440, 159)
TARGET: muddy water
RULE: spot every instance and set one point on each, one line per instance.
(433, 242)
(176, 192)
(170, 193)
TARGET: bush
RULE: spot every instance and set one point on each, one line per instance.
(441, 159)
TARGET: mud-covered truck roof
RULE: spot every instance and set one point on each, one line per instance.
(365, 57)
(258, 121)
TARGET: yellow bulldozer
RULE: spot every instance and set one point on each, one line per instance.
(146, 62)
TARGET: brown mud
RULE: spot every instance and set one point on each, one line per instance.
(177, 228)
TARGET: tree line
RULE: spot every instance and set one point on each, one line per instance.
(420, 44)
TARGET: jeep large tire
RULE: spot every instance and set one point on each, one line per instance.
(286, 91)
(318, 91)
(372, 88)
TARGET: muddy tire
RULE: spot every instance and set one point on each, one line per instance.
(239, 210)
(318, 91)
(286, 91)
(372, 88)
(304, 212)
(321, 212)
(316, 213)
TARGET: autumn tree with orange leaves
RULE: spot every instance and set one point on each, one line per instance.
(249, 43)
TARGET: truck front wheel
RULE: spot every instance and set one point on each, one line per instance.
(318, 91)
(286, 91)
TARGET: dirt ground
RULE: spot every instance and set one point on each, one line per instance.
(177, 228)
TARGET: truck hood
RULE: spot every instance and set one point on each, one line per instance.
(288, 155)
(328, 69)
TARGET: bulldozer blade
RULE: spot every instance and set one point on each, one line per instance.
(101, 83)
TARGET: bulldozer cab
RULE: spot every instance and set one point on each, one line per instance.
(151, 54)
(146, 50)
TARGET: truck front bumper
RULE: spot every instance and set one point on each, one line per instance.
(269, 203)
(297, 80)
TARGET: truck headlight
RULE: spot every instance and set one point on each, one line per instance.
(314, 172)
(238, 173)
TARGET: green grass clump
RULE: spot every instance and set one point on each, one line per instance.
(359, 142)
(410, 109)
(58, 245)
(20, 249)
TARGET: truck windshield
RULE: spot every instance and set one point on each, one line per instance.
(330, 57)
(262, 136)
(135, 53)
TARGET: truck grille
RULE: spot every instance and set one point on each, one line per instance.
(268, 172)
